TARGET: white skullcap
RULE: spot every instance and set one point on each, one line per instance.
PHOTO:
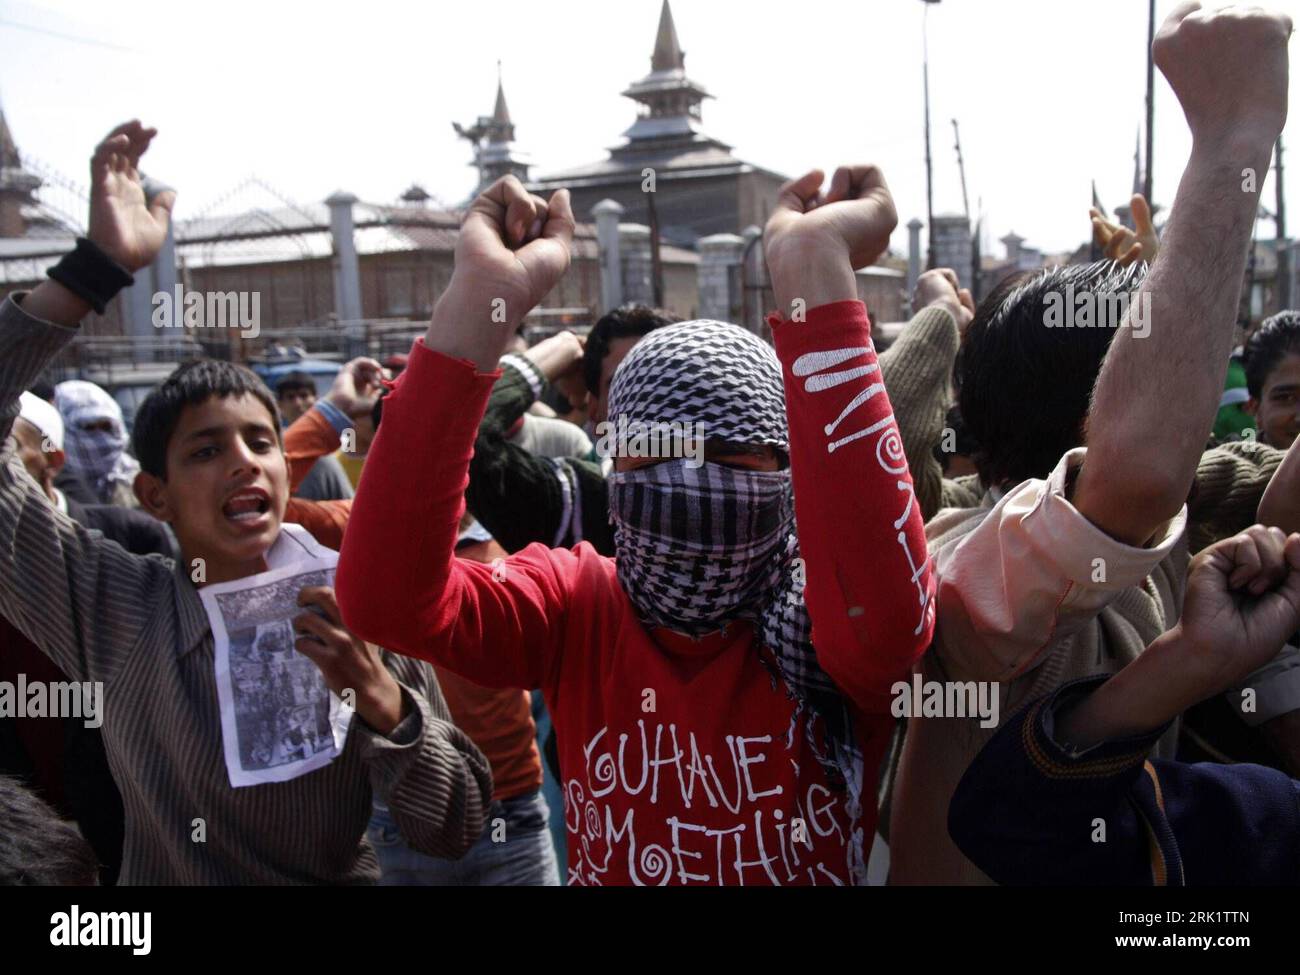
(43, 416)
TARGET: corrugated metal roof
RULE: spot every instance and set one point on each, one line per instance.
(269, 235)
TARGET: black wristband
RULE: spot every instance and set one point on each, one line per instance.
(91, 275)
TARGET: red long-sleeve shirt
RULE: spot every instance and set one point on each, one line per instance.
(682, 760)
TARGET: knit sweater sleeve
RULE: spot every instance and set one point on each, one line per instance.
(869, 591)
(428, 772)
(961, 492)
(917, 370)
(83, 600)
(1230, 480)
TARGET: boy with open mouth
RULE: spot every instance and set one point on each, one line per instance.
(213, 467)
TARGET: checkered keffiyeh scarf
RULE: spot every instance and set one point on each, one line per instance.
(97, 455)
(697, 547)
(700, 545)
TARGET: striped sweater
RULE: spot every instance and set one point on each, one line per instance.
(137, 625)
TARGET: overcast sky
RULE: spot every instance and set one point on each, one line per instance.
(317, 96)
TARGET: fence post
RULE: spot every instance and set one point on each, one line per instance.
(347, 272)
(607, 213)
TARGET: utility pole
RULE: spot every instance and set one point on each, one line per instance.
(1151, 105)
(961, 169)
(965, 205)
(929, 171)
(1283, 246)
(656, 268)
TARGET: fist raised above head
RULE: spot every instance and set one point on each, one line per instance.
(1229, 70)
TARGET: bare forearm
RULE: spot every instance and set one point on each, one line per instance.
(463, 329)
(1142, 455)
(1280, 506)
(380, 704)
(555, 356)
(1147, 694)
(808, 276)
(52, 302)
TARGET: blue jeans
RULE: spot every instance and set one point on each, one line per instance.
(514, 850)
(550, 787)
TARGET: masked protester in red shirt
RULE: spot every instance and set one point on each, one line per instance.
(720, 688)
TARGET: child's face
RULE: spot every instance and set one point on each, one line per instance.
(295, 402)
(227, 485)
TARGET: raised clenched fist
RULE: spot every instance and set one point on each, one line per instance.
(512, 250)
(1242, 603)
(939, 288)
(1229, 70)
(855, 216)
(814, 242)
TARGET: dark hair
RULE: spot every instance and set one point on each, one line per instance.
(625, 321)
(1275, 338)
(37, 848)
(292, 381)
(964, 444)
(1025, 387)
(190, 385)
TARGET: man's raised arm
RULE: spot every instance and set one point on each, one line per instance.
(398, 583)
(868, 588)
(1229, 71)
(81, 599)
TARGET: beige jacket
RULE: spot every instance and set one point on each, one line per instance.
(1031, 594)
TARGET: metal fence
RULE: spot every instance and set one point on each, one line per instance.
(117, 361)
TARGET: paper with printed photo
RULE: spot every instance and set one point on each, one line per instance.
(279, 720)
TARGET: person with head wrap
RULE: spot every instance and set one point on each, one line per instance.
(721, 688)
(96, 440)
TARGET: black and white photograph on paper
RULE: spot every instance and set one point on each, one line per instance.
(279, 719)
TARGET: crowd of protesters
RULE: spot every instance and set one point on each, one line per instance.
(1012, 602)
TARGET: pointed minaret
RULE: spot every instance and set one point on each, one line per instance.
(17, 186)
(670, 101)
(501, 114)
(668, 53)
(493, 138)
